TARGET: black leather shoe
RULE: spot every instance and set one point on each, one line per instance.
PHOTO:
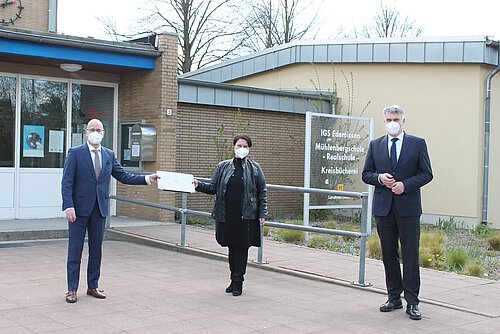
(237, 288)
(229, 289)
(391, 305)
(413, 312)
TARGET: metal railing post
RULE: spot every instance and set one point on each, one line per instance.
(260, 250)
(362, 247)
(183, 220)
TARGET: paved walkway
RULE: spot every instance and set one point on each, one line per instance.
(165, 289)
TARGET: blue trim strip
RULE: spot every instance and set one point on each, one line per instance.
(75, 55)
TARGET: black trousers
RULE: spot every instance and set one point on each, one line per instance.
(392, 228)
(238, 257)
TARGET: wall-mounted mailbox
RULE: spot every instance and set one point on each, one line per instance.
(143, 143)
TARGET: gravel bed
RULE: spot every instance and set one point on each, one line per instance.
(475, 245)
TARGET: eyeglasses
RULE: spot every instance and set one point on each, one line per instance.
(95, 130)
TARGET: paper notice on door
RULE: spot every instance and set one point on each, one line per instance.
(180, 182)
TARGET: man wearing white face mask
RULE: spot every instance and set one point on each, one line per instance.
(85, 193)
(240, 207)
(398, 165)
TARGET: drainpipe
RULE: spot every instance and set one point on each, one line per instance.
(52, 15)
(487, 111)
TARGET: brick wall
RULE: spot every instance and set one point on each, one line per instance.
(34, 16)
(185, 140)
(278, 146)
(147, 96)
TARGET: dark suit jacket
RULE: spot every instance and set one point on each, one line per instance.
(79, 186)
(413, 169)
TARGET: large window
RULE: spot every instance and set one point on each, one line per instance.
(43, 123)
(7, 120)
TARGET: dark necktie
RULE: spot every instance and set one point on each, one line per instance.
(394, 155)
(97, 164)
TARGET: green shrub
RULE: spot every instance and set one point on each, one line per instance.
(356, 216)
(433, 242)
(331, 224)
(425, 257)
(428, 258)
(318, 215)
(447, 225)
(319, 241)
(456, 258)
(483, 230)
(475, 269)
(373, 247)
(494, 242)
(351, 228)
(292, 236)
(199, 221)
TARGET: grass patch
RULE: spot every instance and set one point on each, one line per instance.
(331, 224)
(475, 268)
(457, 258)
(433, 242)
(292, 236)
(483, 230)
(494, 242)
(373, 247)
(351, 228)
(319, 241)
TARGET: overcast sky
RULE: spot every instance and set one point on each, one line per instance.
(437, 17)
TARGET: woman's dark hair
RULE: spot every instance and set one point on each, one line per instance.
(244, 137)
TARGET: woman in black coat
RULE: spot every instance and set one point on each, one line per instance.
(240, 207)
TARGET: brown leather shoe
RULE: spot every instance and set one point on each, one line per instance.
(96, 293)
(71, 297)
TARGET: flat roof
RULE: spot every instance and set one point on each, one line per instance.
(234, 96)
(467, 50)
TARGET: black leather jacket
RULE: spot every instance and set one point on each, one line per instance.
(254, 204)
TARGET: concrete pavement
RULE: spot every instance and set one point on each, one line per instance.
(156, 286)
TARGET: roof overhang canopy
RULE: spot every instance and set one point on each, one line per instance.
(48, 49)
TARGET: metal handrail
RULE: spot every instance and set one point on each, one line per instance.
(362, 235)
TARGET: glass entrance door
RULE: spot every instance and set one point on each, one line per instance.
(42, 148)
(35, 114)
(7, 136)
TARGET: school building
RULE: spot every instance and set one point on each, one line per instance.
(52, 84)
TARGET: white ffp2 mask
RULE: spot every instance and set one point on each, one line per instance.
(95, 138)
(392, 128)
(241, 152)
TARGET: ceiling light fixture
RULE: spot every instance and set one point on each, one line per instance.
(71, 67)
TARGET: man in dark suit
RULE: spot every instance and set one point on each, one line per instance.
(398, 165)
(85, 193)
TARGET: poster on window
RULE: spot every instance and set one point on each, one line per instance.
(34, 140)
(56, 141)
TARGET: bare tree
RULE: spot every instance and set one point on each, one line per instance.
(205, 31)
(213, 30)
(388, 22)
(267, 23)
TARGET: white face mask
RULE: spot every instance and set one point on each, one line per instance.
(95, 138)
(392, 128)
(241, 152)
